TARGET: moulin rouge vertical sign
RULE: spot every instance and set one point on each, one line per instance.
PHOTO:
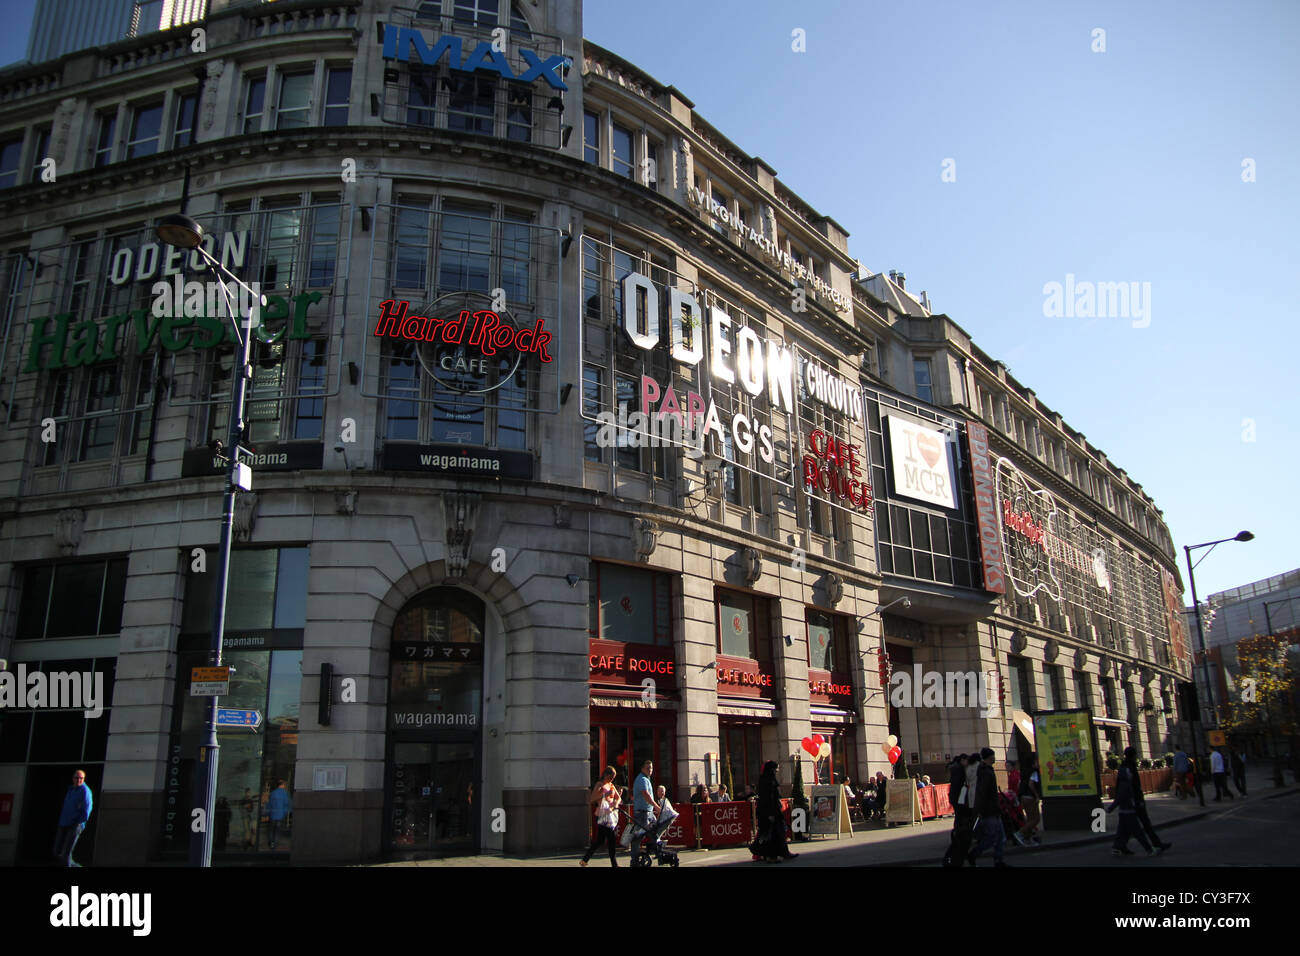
(986, 509)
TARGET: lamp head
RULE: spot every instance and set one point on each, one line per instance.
(179, 231)
(1244, 536)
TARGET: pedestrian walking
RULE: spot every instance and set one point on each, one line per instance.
(1030, 795)
(1126, 783)
(77, 804)
(1183, 782)
(1140, 802)
(278, 808)
(988, 828)
(1239, 769)
(770, 846)
(644, 807)
(605, 800)
(1220, 776)
(959, 845)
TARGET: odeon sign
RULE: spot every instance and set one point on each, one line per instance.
(757, 365)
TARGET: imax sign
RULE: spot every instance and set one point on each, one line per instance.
(399, 42)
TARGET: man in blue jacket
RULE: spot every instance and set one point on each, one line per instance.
(77, 804)
(278, 809)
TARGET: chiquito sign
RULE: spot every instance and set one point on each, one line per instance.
(733, 354)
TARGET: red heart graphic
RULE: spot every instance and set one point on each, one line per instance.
(929, 447)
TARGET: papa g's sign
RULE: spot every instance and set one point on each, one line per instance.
(62, 342)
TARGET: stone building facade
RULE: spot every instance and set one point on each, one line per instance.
(487, 246)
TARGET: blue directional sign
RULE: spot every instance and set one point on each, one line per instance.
(227, 717)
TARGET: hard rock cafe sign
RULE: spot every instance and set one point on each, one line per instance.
(1035, 547)
(462, 342)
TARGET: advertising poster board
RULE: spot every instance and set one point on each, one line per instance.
(1067, 761)
(901, 803)
(1068, 769)
(829, 810)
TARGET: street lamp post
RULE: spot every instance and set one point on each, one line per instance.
(183, 232)
(1200, 631)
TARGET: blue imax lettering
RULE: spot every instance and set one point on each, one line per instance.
(398, 42)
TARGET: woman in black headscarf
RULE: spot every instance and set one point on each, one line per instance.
(770, 844)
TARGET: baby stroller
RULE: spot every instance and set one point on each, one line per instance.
(1013, 815)
(649, 846)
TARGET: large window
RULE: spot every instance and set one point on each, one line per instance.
(106, 138)
(11, 151)
(741, 756)
(744, 626)
(630, 605)
(146, 131)
(338, 88)
(462, 248)
(294, 108)
(254, 102)
(186, 108)
(82, 599)
(828, 640)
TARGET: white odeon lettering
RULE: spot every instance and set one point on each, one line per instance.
(758, 363)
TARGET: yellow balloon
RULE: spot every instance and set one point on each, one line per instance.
(825, 751)
(892, 740)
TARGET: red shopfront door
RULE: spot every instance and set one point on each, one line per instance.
(624, 741)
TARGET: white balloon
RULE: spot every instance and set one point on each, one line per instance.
(892, 740)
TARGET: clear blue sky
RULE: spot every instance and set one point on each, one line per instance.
(1122, 166)
(1117, 166)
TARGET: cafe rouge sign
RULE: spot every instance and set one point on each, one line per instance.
(623, 665)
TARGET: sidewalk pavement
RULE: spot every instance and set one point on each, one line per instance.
(921, 844)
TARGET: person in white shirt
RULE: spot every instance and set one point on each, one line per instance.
(1220, 776)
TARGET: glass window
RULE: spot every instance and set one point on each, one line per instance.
(11, 152)
(742, 626)
(620, 145)
(254, 103)
(924, 391)
(411, 248)
(591, 138)
(518, 25)
(481, 12)
(308, 416)
(83, 599)
(593, 401)
(186, 108)
(421, 94)
(294, 109)
(39, 155)
(402, 387)
(464, 248)
(338, 88)
(104, 141)
(469, 108)
(100, 428)
(146, 130)
(519, 113)
(631, 605)
(516, 256)
(283, 231)
(324, 247)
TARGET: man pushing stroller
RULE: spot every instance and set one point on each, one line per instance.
(652, 814)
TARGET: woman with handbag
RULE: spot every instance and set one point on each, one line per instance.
(604, 797)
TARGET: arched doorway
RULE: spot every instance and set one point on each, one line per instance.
(435, 719)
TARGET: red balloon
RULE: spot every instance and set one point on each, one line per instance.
(620, 759)
(818, 739)
(810, 744)
(895, 754)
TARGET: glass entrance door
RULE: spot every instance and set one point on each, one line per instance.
(434, 806)
(411, 819)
